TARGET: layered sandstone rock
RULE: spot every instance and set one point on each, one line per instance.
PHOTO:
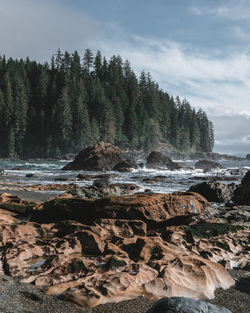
(101, 156)
(108, 250)
(152, 208)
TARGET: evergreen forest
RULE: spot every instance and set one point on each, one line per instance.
(55, 108)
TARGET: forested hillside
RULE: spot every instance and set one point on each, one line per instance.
(75, 101)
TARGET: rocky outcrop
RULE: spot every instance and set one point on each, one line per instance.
(126, 166)
(242, 193)
(214, 191)
(112, 249)
(152, 208)
(185, 305)
(101, 156)
(207, 164)
(158, 160)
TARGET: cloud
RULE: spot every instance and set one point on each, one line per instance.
(233, 10)
(217, 81)
(38, 28)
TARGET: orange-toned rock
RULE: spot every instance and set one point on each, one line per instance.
(151, 208)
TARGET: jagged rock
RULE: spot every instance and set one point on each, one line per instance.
(29, 175)
(101, 156)
(126, 166)
(158, 160)
(242, 192)
(214, 191)
(248, 157)
(185, 305)
(207, 164)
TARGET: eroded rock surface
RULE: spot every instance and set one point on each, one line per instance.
(108, 250)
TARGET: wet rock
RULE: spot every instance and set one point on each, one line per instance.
(151, 208)
(62, 179)
(126, 166)
(242, 192)
(158, 160)
(2, 172)
(101, 156)
(207, 165)
(185, 305)
(101, 182)
(29, 175)
(153, 180)
(214, 191)
(96, 176)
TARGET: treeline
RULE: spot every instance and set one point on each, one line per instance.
(57, 108)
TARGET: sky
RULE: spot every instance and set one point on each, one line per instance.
(196, 49)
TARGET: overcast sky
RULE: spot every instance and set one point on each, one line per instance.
(197, 49)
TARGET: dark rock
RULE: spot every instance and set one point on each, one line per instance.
(62, 179)
(101, 182)
(214, 191)
(248, 157)
(242, 192)
(94, 176)
(101, 156)
(153, 180)
(32, 175)
(2, 172)
(185, 305)
(158, 160)
(126, 166)
(207, 164)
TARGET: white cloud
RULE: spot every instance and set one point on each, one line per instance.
(233, 10)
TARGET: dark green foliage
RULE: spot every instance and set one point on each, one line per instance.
(76, 101)
(208, 230)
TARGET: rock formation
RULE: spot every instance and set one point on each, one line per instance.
(158, 160)
(214, 191)
(101, 156)
(126, 166)
(242, 193)
(116, 248)
(185, 305)
(207, 164)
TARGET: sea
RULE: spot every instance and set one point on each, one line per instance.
(46, 172)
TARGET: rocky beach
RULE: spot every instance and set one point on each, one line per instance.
(108, 242)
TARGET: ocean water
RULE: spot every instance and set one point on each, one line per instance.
(180, 180)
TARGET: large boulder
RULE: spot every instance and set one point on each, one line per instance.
(242, 193)
(158, 160)
(101, 156)
(154, 209)
(207, 164)
(214, 191)
(185, 305)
